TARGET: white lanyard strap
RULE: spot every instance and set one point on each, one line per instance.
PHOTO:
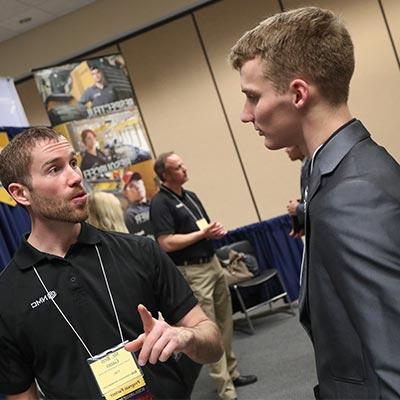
(51, 297)
(197, 207)
(109, 292)
(185, 206)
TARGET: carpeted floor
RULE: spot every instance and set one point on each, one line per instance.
(279, 353)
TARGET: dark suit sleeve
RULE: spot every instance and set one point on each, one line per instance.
(300, 214)
(359, 225)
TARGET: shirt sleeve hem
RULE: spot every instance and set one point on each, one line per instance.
(182, 310)
(12, 388)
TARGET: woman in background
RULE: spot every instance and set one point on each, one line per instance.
(105, 212)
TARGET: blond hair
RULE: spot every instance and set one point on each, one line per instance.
(105, 212)
(309, 43)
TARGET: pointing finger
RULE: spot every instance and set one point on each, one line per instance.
(146, 317)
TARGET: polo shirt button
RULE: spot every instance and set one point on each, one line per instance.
(73, 279)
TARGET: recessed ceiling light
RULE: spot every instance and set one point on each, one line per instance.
(25, 20)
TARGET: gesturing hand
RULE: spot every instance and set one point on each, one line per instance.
(292, 207)
(159, 339)
(214, 230)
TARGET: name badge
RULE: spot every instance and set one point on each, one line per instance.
(117, 374)
(202, 223)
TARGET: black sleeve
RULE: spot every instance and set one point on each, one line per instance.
(174, 296)
(16, 375)
(161, 217)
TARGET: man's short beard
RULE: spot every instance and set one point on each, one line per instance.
(59, 211)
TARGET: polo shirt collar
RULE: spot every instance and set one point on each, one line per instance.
(173, 193)
(26, 256)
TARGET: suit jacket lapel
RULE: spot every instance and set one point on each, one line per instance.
(333, 153)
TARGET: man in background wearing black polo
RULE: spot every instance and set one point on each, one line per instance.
(183, 229)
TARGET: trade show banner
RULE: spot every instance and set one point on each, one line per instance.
(14, 220)
(92, 104)
(4, 196)
(12, 114)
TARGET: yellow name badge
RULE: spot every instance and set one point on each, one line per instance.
(202, 223)
(116, 372)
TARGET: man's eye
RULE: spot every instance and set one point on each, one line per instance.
(252, 98)
(74, 163)
(53, 170)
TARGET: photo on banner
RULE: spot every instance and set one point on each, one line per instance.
(91, 102)
(85, 89)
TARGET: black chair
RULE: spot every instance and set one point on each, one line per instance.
(239, 289)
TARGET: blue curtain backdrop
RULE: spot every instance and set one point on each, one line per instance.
(274, 248)
(14, 221)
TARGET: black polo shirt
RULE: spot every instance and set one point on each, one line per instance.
(35, 340)
(169, 215)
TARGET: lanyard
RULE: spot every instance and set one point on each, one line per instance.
(51, 297)
(184, 205)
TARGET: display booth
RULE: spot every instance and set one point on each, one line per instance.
(14, 220)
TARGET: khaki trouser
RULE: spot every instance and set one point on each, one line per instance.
(209, 286)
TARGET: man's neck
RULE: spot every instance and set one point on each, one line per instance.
(323, 122)
(54, 237)
(92, 151)
(176, 188)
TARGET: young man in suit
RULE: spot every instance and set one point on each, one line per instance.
(295, 71)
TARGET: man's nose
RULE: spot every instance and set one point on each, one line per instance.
(246, 115)
(75, 176)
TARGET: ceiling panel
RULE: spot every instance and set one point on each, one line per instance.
(18, 16)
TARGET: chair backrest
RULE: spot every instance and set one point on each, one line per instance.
(243, 246)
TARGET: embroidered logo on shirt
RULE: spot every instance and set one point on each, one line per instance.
(51, 295)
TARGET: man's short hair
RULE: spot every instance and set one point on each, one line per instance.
(16, 158)
(309, 43)
(159, 165)
(86, 132)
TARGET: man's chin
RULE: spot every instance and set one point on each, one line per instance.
(272, 146)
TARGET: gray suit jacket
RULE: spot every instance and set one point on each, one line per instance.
(350, 292)
(303, 184)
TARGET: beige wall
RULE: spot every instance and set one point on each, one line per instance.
(273, 179)
(186, 110)
(87, 28)
(182, 113)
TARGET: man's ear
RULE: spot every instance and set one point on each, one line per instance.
(300, 90)
(20, 193)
